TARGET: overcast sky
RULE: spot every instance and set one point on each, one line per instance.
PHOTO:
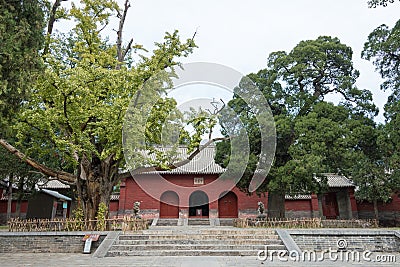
(241, 34)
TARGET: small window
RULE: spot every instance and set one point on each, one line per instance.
(198, 180)
(60, 209)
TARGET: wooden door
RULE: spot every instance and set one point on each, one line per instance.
(169, 205)
(227, 206)
(330, 206)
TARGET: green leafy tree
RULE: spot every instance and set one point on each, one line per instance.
(21, 36)
(79, 102)
(383, 49)
(373, 182)
(295, 85)
(350, 144)
(21, 179)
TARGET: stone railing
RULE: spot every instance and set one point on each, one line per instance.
(303, 223)
(44, 225)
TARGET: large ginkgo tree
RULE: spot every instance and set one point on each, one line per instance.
(76, 108)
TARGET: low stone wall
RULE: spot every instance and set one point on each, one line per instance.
(3, 217)
(356, 239)
(298, 214)
(386, 218)
(46, 242)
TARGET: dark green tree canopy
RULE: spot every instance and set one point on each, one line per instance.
(312, 136)
(77, 105)
(383, 49)
(21, 38)
(376, 3)
(314, 69)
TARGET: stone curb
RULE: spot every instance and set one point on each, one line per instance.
(288, 241)
(59, 233)
(336, 232)
(105, 246)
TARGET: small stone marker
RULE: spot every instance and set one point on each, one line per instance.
(88, 245)
(89, 238)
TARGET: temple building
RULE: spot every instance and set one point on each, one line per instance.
(198, 189)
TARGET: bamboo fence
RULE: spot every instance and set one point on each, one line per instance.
(45, 225)
(303, 223)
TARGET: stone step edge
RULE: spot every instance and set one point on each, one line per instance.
(201, 240)
(188, 252)
(194, 237)
(172, 247)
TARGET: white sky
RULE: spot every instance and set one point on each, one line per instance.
(241, 34)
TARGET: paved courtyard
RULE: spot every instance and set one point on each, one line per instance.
(62, 259)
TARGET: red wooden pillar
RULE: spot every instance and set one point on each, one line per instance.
(183, 205)
(314, 206)
(122, 197)
(353, 203)
(213, 209)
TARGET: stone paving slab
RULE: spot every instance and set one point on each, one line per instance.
(63, 259)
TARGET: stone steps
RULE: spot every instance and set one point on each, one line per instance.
(167, 222)
(182, 231)
(186, 253)
(196, 241)
(194, 237)
(199, 221)
(216, 246)
(225, 222)
(199, 241)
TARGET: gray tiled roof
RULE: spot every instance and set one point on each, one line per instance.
(114, 197)
(55, 194)
(54, 184)
(3, 184)
(202, 163)
(336, 180)
(295, 197)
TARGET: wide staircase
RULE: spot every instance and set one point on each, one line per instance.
(167, 222)
(198, 221)
(196, 241)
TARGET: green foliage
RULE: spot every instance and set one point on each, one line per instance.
(76, 106)
(14, 171)
(79, 219)
(77, 213)
(389, 141)
(314, 69)
(21, 38)
(374, 183)
(312, 136)
(80, 100)
(383, 49)
(102, 214)
(376, 3)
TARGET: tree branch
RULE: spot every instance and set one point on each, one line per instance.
(59, 175)
(50, 24)
(128, 47)
(120, 51)
(69, 127)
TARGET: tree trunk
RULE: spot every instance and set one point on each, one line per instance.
(9, 195)
(376, 211)
(276, 205)
(18, 208)
(20, 195)
(95, 183)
